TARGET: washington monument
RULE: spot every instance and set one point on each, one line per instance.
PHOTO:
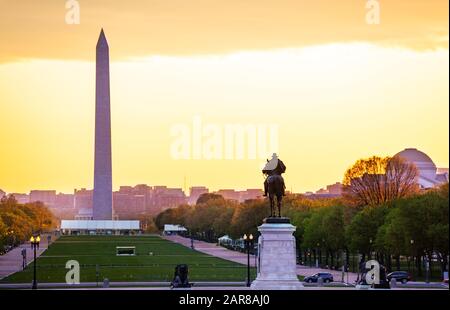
(102, 200)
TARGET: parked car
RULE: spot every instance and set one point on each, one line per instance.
(399, 276)
(327, 277)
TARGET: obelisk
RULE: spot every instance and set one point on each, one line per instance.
(102, 200)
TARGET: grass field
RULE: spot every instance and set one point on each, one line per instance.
(90, 251)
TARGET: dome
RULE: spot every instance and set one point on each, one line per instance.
(422, 161)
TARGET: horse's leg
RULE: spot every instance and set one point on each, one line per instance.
(271, 198)
(279, 205)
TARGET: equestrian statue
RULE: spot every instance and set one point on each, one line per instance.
(274, 183)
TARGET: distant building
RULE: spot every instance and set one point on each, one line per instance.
(335, 189)
(229, 194)
(251, 193)
(128, 202)
(429, 175)
(84, 214)
(21, 198)
(83, 199)
(65, 201)
(322, 191)
(165, 198)
(240, 196)
(83, 204)
(195, 192)
(47, 197)
(2, 194)
(330, 191)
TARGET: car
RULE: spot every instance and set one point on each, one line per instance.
(399, 276)
(327, 277)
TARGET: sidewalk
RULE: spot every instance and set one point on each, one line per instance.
(241, 258)
(11, 262)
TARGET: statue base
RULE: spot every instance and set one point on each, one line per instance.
(277, 220)
(277, 264)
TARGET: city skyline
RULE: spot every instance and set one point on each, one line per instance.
(332, 106)
(186, 188)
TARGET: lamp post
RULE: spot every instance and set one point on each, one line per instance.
(34, 240)
(427, 268)
(370, 248)
(248, 240)
(317, 254)
(192, 240)
(13, 239)
(412, 255)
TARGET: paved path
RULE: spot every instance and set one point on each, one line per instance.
(11, 262)
(241, 258)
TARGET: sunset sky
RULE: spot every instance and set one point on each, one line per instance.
(337, 87)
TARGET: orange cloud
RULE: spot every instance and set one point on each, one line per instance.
(136, 28)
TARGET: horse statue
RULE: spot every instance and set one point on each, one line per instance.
(275, 189)
(274, 183)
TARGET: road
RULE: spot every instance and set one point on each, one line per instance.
(11, 262)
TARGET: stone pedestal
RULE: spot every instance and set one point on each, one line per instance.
(276, 268)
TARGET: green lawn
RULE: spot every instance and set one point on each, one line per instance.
(92, 250)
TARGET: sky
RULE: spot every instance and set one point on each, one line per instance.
(335, 87)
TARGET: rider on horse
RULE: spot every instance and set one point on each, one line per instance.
(273, 167)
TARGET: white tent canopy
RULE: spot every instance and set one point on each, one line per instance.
(225, 238)
(99, 225)
(174, 228)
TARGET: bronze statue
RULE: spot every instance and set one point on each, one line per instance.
(274, 183)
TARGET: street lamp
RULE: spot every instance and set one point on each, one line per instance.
(34, 240)
(370, 248)
(248, 240)
(317, 254)
(11, 233)
(412, 255)
(427, 268)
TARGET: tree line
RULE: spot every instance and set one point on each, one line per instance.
(19, 221)
(382, 215)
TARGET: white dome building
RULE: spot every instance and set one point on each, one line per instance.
(428, 173)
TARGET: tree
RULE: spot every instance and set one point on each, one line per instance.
(208, 196)
(3, 234)
(325, 230)
(202, 218)
(423, 219)
(19, 221)
(401, 179)
(377, 180)
(148, 224)
(333, 228)
(248, 216)
(176, 216)
(364, 227)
